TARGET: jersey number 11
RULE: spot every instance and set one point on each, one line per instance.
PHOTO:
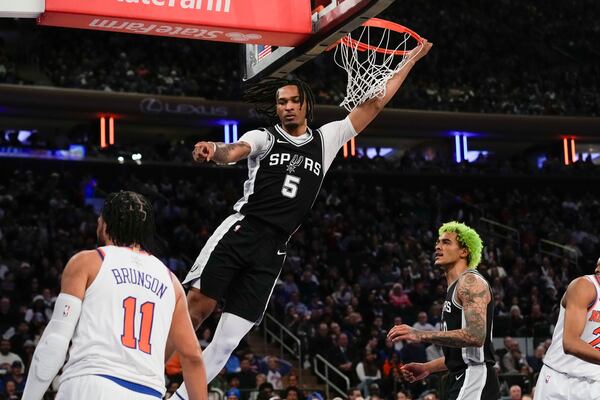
(128, 338)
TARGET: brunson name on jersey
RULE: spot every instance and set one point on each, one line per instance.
(136, 277)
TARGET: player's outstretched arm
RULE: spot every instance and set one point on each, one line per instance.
(221, 153)
(475, 295)
(579, 295)
(51, 352)
(362, 115)
(183, 338)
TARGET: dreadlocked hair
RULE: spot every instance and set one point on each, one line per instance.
(129, 219)
(263, 93)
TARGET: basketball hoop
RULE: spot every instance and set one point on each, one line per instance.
(380, 51)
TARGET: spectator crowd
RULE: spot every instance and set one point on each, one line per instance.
(361, 263)
(535, 59)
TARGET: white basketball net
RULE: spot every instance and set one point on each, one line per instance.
(368, 70)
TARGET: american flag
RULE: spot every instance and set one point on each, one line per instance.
(264, 52)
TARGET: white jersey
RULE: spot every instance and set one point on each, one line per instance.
(125, 320)
(570, 365)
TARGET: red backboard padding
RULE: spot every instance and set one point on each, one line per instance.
(274, 22)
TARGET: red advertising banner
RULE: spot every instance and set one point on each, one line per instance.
(274, 22)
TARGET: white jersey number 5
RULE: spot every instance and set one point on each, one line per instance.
(290, 186)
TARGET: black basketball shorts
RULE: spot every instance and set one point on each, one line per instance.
(239, 263)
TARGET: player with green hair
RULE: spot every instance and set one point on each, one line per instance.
(468, 239)
(466, 338)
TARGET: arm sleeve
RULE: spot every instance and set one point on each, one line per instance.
(335, 135)
(51, 352)
(259, 141)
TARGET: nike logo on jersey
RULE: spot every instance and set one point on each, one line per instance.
(282, 141)
(281, 253)
(459, 376)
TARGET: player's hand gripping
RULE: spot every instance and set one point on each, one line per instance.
(420, 51)
(403, 332)
(204, 151)
(414, 372)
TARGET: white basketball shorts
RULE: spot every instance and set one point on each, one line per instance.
(95, 387)
(553, 385)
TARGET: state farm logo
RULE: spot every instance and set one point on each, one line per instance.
(152, 105)
(203, 5)
(166, 29)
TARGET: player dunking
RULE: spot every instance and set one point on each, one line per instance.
(571, 368)
(286, 165)
(467, 315)
(118, 305)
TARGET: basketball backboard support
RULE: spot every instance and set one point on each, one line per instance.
(329, 25)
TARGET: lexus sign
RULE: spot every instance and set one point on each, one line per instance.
(152, 105)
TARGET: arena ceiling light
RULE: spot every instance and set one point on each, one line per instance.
(111, 131)
(461, 146)
(569, 152)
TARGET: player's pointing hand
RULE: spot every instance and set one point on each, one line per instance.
(203, 151)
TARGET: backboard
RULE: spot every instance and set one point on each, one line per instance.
(329, 24)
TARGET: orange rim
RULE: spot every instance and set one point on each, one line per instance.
(383, 24)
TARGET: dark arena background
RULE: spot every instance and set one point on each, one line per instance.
(497, 127)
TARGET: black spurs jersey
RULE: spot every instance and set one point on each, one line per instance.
(453, 318)
(284, 181)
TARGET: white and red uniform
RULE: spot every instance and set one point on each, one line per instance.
(118, 348)
(567, 377)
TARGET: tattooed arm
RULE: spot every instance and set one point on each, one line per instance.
(221, 153)
(474, 294)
